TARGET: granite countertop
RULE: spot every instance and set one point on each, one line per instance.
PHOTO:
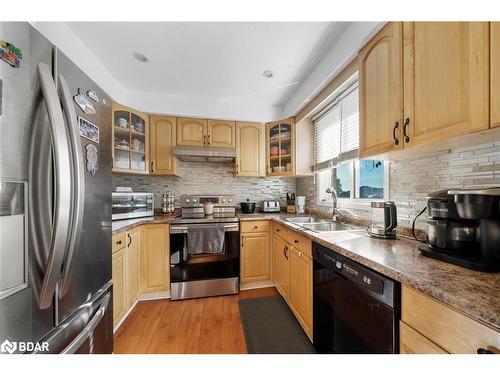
(121, 225)
(476, 294)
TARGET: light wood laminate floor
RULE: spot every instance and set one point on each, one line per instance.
(198, 326)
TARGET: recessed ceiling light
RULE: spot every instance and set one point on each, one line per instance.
(140, 57)
(268, 73)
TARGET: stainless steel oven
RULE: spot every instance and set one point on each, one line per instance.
(204, 274)
(128, 205)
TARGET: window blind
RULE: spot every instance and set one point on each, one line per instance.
(336, 130)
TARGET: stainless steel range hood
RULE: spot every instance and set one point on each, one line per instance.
(205, 154)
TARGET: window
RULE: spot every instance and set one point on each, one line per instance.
(368, 177)
(336, 130)
(336, 142)
(371, 179)
(342, 180)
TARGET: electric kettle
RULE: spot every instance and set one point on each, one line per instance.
(383, 220)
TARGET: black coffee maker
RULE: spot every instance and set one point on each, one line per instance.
(463, 228)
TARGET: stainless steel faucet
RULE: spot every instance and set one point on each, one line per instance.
(336, 215)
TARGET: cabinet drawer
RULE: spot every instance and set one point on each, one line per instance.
(280, 231)
(119, 241)
(454, 332)
(255, 226)
(412, 342)
(300, 242)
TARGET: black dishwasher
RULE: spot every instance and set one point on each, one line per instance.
(356, 310)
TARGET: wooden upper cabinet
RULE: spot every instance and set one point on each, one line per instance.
(130, 134)
(380, 94)
(280, 149)
(221, 133)
(250, 140)
(163, 130)
(446, 79)
(495, 73)
(191, 131)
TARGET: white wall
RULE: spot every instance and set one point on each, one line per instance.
(341, 54)
(158, 103)
(66, 40)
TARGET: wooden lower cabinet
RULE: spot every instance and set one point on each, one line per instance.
(155, 263)
(117, 269)
(300, 288)
(412, 342)
(280, 265)
(255, 257)
(132, 278)
(448, 329)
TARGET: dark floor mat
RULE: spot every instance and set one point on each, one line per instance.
(271, 328)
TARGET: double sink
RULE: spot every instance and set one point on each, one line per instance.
(319, 225)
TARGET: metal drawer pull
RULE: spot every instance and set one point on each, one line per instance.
(396, 126)
(407, 123)
(484, 351)
(119, 242)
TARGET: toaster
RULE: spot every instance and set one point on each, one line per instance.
(271, 206)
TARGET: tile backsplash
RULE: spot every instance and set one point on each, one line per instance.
(209, 178)
(411, 179)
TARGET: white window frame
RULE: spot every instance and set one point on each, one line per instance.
(353, 202)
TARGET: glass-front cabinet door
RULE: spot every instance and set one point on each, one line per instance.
(130, 140)
(280, 148)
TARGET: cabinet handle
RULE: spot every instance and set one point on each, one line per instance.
(407, 123)
(119, 242)
(237, 166)
(278, 230)
(484, 351)
(204, 140)
(152, 166)
(285, 250)
(242, 241)
(129, 240)
(396, 140)
(208, 139)
(296, 241)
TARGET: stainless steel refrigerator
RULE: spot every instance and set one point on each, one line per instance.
(55, 201)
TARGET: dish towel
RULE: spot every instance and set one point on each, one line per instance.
(205, 239)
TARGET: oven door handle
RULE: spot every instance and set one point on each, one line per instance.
(179, 229)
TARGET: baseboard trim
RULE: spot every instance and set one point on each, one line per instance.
(149, 296)
(256, 285)
(124, 317)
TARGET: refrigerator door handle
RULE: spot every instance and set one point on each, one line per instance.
(89, 328)
(63, 191)
(78, 184)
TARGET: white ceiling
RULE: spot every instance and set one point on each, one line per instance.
(221, 61)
